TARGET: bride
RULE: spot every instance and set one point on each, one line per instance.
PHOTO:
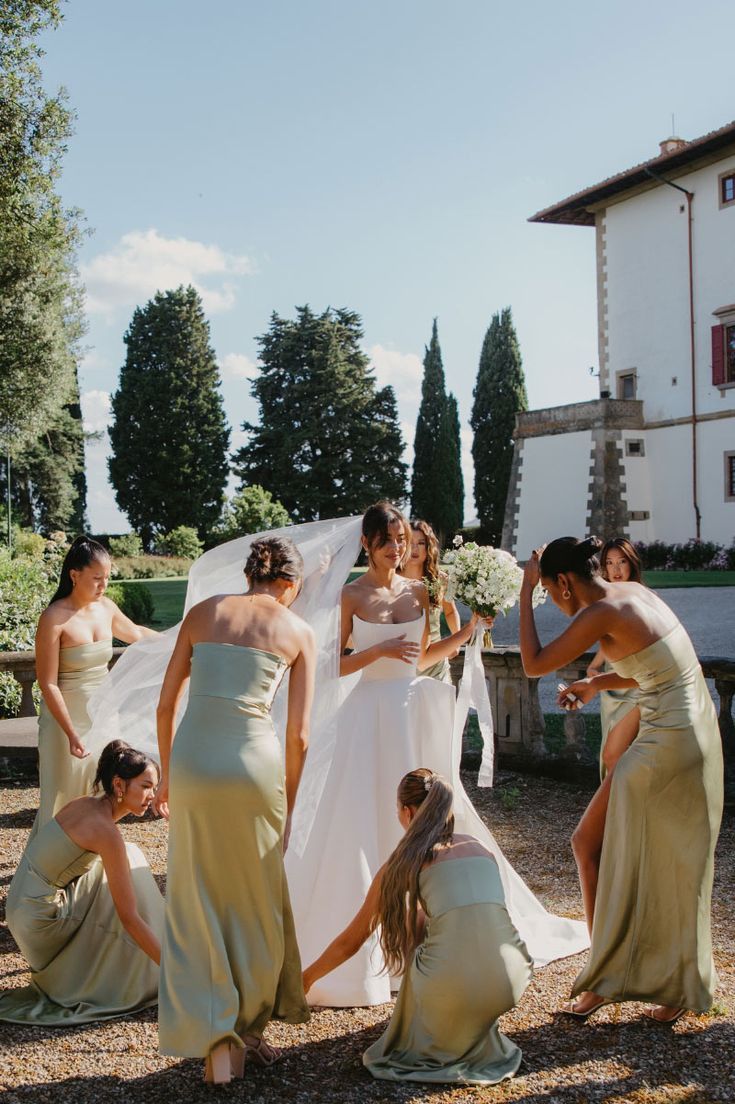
(374, 719)
(390, 720)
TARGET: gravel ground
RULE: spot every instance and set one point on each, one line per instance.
(617, 1057)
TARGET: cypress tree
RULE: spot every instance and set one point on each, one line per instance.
(499, 394)
(169, 435)
(328, 442)
(436, 482)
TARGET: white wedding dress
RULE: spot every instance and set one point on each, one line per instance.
(390, 722)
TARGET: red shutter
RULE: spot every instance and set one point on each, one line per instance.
(718, 356)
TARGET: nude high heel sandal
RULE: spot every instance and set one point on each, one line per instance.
(218, 1065)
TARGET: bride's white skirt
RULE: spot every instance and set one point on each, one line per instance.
(385, 729)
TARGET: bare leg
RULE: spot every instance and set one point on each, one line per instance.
(620, 737)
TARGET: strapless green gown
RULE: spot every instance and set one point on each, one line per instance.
(471, 967)
(63, 777)
(84, 965)
(651, 938)
(614, 705)
(230, 961)
(438, 670)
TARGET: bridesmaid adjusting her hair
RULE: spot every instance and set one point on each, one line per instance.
(650, 903)
(438, 903)
(73, 649)
(84, 908)
(230, 960)
(423, 564)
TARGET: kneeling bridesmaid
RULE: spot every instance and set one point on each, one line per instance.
(84, 908)
(462, 960)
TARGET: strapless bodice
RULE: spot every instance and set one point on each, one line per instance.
(247, 675)
(84, 666)
(54, 858)
(453, 883)
(667, 662)
(367, 633)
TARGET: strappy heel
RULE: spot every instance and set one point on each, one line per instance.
(218, 1065)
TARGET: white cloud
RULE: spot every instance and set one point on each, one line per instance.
(144, 262)
(403, 371)
(96, 408)
(238, 366)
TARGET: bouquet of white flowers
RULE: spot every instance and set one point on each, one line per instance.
(486, 579)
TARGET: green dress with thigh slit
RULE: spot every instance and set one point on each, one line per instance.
(651, 938)
(63, 777)
(230, 961)
(470, 968)
(84, 965)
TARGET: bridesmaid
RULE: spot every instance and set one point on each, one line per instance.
(423, 564)
(651, 934)
(620, 718)
(439, 903)
(84, 908)
(230, 960)
(73, 650)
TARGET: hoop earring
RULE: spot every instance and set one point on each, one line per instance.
(566, 595)
(119, 797)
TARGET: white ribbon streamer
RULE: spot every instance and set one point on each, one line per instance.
(473, 694)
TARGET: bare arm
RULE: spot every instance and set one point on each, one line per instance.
(48, 642)
(597, 663)
(125, 629)
(300, 699)
(349, 941)
(177, 672)
(117, 868)
(448, 646)
(584, 631)
(585, 689)
(451, 616)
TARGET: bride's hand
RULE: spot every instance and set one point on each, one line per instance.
(400, 648)
(532, 572)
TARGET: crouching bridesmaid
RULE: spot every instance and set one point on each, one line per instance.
(84, 908)
(443, 924)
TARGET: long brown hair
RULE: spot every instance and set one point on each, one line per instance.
(433, 824)
(626, 549)
(433, 577)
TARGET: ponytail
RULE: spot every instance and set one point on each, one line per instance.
(82, 553)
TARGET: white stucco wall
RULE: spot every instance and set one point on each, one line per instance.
(638, 487)
(718, 516)
(647, 271)
(555, 475)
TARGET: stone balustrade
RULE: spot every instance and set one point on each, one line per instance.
(519, 723)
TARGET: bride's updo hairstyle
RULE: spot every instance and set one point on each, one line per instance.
(120, 760)
(376, 524)
(431, 797)
(82, 553)
(274, 558)
(567, 555)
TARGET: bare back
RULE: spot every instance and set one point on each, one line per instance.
(249, 621)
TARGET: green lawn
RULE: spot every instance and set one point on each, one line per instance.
(660, 580)
(168, 599)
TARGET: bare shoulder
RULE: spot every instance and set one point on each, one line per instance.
(52, 618)
(304, 630)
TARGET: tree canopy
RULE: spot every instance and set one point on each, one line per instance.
(499, 394)
(169, 435)
(328, 442)
(437, 487)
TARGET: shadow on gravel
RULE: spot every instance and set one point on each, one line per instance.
(21, 818)
(685, 1067)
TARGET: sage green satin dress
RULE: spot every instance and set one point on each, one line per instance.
(84, 965)
(438, 670)
(63, 777)
(230, 961)
(614, 705)
(651, 938)
(471, 967)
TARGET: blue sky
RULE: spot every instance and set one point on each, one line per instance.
(383, 156)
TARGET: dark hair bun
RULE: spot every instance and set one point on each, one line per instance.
(569, 554)
(589, 547)
(121, 760)
(274, 558)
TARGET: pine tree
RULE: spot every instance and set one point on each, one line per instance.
(436, 482)
(328, 442)
(169, 435)
(499, 394)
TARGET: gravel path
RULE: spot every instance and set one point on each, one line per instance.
(616, 1057)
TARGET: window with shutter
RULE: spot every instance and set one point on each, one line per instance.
(718, 356)
(727, 188)
(730, 353)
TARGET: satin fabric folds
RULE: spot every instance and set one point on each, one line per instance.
(230, 961)
(63, 777)
(84, 965)
(651, 938)
(471, 967)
